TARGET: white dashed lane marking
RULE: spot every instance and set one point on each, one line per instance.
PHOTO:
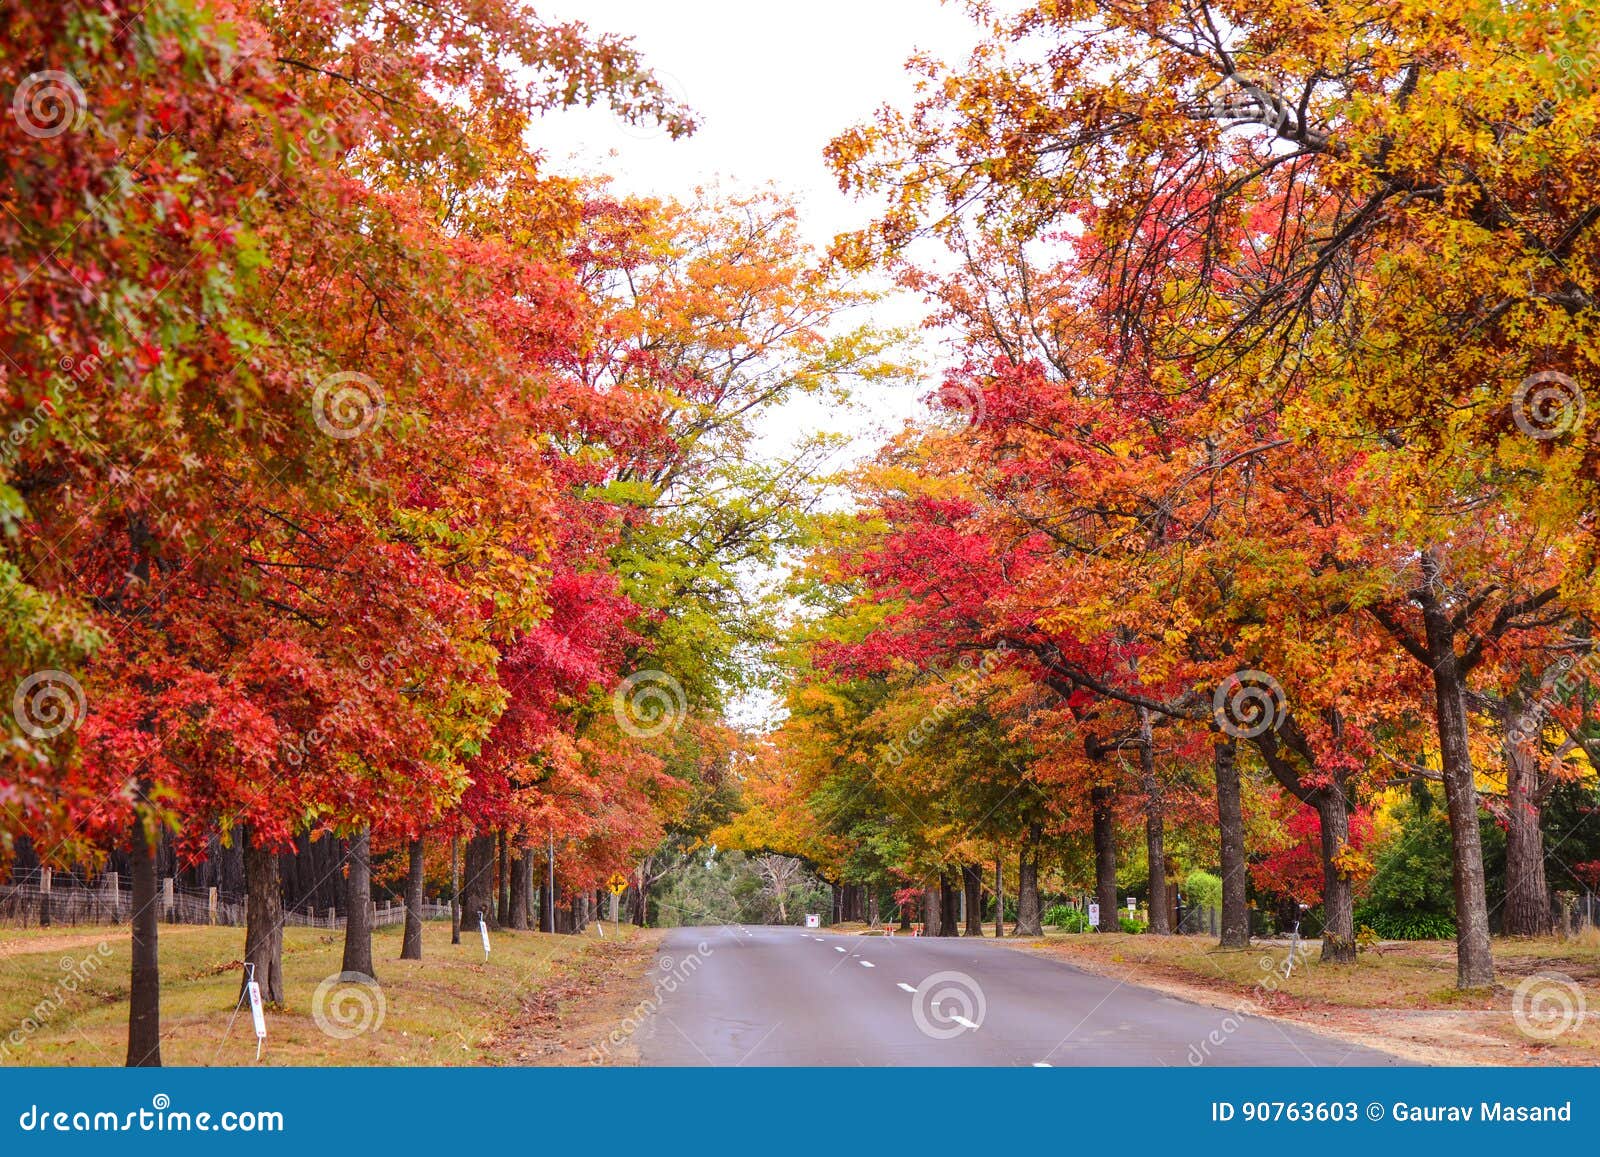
(868, 964)
(905, 986)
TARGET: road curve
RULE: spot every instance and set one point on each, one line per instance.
(788, 996)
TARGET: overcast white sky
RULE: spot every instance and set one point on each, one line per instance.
(771, 83)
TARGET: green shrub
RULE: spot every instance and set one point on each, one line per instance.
(1067, 918)
(1410, 895)
(1202, 890)
(1399, 924)
(1131, 925)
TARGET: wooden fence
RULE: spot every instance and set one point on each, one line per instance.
(39, 904)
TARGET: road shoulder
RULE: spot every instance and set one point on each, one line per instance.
(1400, 1000)
(589, 1013)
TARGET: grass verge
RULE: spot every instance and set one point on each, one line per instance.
(64, 996)
(1400, 996)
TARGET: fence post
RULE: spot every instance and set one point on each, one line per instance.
(169, 905)
(211, 905)
(333, 917)
(44, 897)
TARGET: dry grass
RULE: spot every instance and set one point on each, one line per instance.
(1400, 996)
(446, 1009)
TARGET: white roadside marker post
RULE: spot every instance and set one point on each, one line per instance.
(483, 930)
(256, 1013)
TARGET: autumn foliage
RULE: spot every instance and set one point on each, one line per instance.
(363, 478)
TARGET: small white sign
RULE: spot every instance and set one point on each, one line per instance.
(813, 920)
(257, 1015)
(1133, 905)
(483, 930)
(1094, 915)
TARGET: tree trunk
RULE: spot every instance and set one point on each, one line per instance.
(411, 942)
(1155, 836)
(1474, 958)
(263, 920)
(1230, 827)
(1527, 910)
(521, 870)
(1029, 920)
(1105, 858)
(950, 905)
(358, 898)
(972, 879)
(144, 1000)
(642, 901)
(1338, 897)
(999, 902)
(905, 917)
(477, 883)
(930, 912)
(502, 908)
(455, 889)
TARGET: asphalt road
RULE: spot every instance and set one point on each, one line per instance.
(787, 996)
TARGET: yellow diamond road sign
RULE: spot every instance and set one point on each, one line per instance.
(618, 883)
